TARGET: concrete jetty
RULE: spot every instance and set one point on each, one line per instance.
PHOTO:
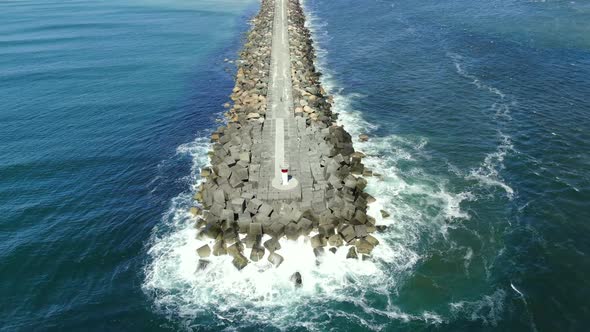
(282, 116)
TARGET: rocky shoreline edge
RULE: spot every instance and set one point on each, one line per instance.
(230, 216)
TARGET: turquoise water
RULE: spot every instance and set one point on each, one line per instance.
(479, 120)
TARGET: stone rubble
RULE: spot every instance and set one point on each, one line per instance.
(233, 216)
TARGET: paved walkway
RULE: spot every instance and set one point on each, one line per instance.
(281, 97)
(286, 138)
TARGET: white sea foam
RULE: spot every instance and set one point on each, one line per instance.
(488, 172)
(487, 309)
(261, 293)
(460, 67)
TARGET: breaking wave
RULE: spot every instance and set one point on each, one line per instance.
(260, 293)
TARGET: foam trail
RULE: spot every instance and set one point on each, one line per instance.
(457, 60)
(488, 174)
(487, 309)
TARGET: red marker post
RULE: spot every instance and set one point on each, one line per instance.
(285, 174)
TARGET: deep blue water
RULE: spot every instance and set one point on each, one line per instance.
(479, 120)
(96, 98)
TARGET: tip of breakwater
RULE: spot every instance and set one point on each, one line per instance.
(238, 212)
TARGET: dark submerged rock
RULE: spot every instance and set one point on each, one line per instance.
(296, 279)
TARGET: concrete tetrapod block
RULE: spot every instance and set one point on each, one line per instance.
(227, 215)
(216, 209)
(372, 240)
(275, 259)
(235, 249)
(335, 240)
(292, 231)
(195, 211)
(370, 199)
(282, 208)
(360, 216)
(352, 253)
(251, 241)
(200, 223)
(364, 247)
(202, 264)
(332, 169)
(360, 203)
(261, 218)
(245, 156)
(240, 172)
(348, 233)
(317, 241)
(219, 197)
(256, 254)
(272, 244)
(265, 210)
(224, 139)
(234, 181)
(207, 197)
(212, 231)
(238, 205)
(295, 213)
(347, 212)
(230, 236)
(326, 217)
(255, 229)
(360, 231)
(244, 225)
(229, 161)
(240, 261)
(335, 181)
(306, 226)
(350, 182)
(204, 251)
(361, 183)
(276, 230)
(223, 171)
(283, 220)
(326, 230)
(244, 221)
(219, 248)
(339, 159)
(381, 228)
(254, 205)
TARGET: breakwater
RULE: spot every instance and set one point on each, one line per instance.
(281, 115)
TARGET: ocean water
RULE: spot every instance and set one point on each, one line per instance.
(479, 120)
